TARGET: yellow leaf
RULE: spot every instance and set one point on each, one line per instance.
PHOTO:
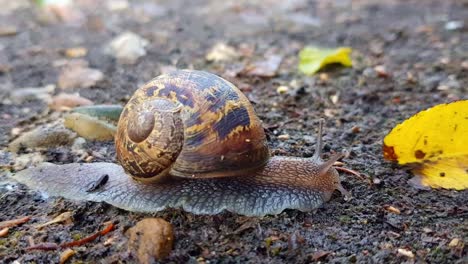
(436, 141)
(312, 59)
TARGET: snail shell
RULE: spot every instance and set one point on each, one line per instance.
(190, 139)
(189, 124)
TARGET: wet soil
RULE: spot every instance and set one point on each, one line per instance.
(426, 64)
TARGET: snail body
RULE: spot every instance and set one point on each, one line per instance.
(191, 139)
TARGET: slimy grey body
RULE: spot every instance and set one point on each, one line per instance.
(242, 195)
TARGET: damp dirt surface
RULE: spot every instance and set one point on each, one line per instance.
(421, 47)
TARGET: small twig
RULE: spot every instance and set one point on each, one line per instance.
(350, 171)
(90, 238)
(53, 246)
(60, 218)
(14, 222)
(44, 246)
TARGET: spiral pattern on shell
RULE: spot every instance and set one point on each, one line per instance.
(189, 124)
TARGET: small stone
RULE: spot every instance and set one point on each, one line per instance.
(355, 129)
(265, 68)
(64, 102)
(328, 112)
(117, 5)
(392, 209)
(222, 52)
(324, 77)
(381, 71)
(43, 137)
(76, 52)
(8, 31)
(427, 230)
(444, 60)
(464, 64)
(405, 252)
(454, 25)
(410, 78)
(282, 89)
(4, 68)
(151, 239)
(449, 83)
(443, 87)
(455, 242)
(320, 254)
(19, 96)
(89, 159)
(127, 47)
(334, 98)
(16, 131)
(79, 76)
(89, 127)
(283, 137)
(66, 255)
(377, 181)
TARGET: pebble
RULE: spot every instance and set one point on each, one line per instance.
(324, 77)
(464, 64)
(117, 5)
(377, 181)
(19, 96)
(151, 239)
(8, 31)
(66, 255)
(265, 68)
(282, 89)
(43, 137)
(335, 98)
(76, 52)
(64, 101)
(381, 71)
(78, 76)
(449, 83)
(89, 127)
(455, 242)
(222, 52)
(127, 47)
(405, 252)
(454, 25)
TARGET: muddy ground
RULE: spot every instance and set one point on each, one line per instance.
(421, 44)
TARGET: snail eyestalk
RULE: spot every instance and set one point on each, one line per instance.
(319, 144)
(325, 166)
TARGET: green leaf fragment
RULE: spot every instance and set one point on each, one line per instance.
(312, 59)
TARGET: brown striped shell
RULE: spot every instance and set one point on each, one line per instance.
(189, 124)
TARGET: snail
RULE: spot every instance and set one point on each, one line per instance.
(191, 139)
